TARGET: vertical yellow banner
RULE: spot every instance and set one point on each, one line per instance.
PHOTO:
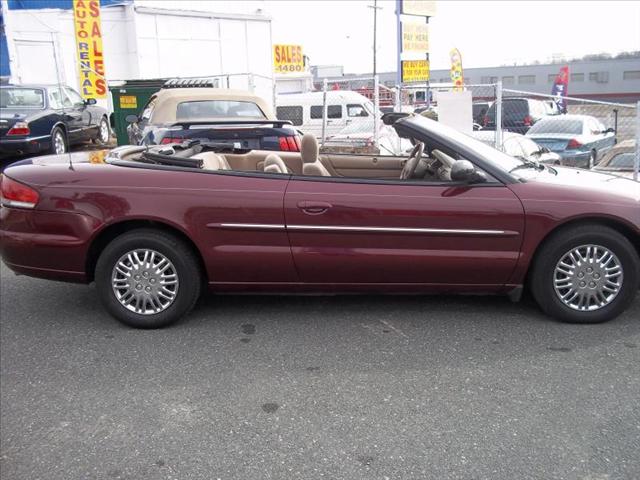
(86, 15)
(457, 77)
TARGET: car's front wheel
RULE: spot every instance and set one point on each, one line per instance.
(586, 274)
(148, 278)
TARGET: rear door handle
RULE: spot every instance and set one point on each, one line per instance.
(313, 207)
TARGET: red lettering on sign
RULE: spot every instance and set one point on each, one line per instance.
(94, 8)
(101, 87)
(96, 52)
(99, 67)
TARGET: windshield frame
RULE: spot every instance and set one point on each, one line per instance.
(485, 157)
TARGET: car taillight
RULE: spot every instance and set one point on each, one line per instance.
(282, 142)
(166, 140)
(289, 144)
(528, 121)
(19, 128)
(293, 146)
(16, 194)
(573, 143)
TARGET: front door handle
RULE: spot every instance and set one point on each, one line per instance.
(313, 208)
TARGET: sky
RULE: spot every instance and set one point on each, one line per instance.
(487, 33)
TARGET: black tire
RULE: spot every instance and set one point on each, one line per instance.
(559, 244)
(172, 248)
(99, 140)
(57, 134)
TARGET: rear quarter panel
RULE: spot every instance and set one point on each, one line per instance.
(190, 202)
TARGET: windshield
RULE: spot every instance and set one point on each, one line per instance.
(622, 161)
(558, 125)
(21, 98)
(495, 157)
(208, 109)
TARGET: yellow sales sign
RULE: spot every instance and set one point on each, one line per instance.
(415, 71)
(288, 59)
(86, 15)
(415, 37)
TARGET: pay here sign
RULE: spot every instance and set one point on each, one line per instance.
(86, 15)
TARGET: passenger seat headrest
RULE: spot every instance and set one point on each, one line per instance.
(309, 148)
(274, 164)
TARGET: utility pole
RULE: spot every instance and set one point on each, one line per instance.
(375, 8)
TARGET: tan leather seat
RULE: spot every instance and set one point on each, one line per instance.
(274, 164)
(212, 161)
(309, 153)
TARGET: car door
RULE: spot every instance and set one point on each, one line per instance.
(136, 130)
(77, 117)
(237, 221)
(605, 140)
(360, 232)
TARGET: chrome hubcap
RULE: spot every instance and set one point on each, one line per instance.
(104, 132)
(588, 278)
(145, 281)
(58, 143)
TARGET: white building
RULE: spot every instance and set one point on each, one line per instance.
(140, 41)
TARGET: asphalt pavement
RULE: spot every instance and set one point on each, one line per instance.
(353, 387)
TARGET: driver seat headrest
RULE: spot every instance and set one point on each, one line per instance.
(309, 148)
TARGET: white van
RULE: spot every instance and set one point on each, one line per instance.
(344, 108)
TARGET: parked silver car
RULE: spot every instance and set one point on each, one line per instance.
(579, 139)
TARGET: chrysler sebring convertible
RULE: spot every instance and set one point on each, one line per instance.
(154, 226)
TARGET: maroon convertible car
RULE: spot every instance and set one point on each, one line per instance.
(153, 226)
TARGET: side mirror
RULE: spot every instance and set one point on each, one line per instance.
(90, 101)
(131, 118)
(464, 171)
(544, 150)
(609, 130)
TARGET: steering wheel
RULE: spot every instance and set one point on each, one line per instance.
(412, 162)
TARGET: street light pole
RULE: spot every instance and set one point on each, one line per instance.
(375, 8)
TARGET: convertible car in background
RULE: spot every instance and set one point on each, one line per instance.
(619, 160)
(152, 226)
(233, 117)
(47, 118)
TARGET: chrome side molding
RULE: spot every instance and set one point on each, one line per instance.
(364, 229)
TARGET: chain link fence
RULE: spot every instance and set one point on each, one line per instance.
(575, 132)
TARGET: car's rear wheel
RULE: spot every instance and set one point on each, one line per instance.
(148, 278)
(58, 141)
(585, 274)
(104, 133)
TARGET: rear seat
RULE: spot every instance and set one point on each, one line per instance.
(212, 161)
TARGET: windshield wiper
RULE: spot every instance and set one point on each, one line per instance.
(527, 164)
